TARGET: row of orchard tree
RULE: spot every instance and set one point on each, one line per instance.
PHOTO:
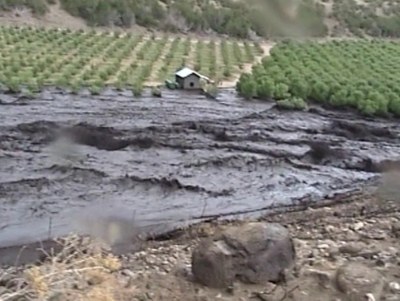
(359, 74)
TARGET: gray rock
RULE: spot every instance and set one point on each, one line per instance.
(394, 287)
(254, 253)
(396, 229)
(357, 281)
(212, 264)
(352, 248)
(322, 277)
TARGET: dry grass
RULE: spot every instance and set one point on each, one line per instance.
(77, 273)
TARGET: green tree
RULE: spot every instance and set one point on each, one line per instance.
(394, 104)
(367, 107)
(265, 87)
(320, 92)
(380, 102)
(246, 86)
(355, 97)
(281, 91)
(300, 88)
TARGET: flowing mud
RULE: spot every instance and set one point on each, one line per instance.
(165, 162)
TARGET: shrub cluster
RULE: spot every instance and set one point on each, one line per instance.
(348, 74)
(235, 18)
(376, 18)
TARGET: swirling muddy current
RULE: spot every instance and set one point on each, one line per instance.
(177, 159)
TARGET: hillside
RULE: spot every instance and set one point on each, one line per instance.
(243, 19)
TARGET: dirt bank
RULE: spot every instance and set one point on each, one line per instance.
(172, 161)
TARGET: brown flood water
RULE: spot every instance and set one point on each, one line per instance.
(168, 161)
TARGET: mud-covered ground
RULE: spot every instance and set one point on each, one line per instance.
(172, 160)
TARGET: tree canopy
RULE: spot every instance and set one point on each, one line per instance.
(362, 74)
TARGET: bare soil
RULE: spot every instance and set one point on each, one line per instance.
(55, 18)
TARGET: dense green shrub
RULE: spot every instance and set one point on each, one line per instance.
(268, 18)
(38, 7)
(293, 103)
(360, 18)
(231, 17)
(156, 92)
(347, 74)
(137, 89)
(246, 86)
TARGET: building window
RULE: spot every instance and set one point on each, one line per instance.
(191, 84)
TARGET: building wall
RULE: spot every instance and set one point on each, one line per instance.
(190, 82)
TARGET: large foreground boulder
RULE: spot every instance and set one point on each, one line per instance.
(254, 253)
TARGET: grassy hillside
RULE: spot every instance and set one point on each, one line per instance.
(237, 18)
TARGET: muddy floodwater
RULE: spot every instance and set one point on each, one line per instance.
(172, 160)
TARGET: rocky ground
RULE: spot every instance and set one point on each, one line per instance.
(352, 245)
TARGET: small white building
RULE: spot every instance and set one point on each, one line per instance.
(189, 79)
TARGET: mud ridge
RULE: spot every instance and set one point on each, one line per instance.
(98, 137)
(168, 184)
(359, 131)
(258, 150)
(237, 162)
(23, 185)
(38, 127)
(73, 170)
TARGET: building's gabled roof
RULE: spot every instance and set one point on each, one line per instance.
(185, 72)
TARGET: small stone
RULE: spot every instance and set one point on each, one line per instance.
(3, 291)
(380, 263)
(370, 297)
(80, 286)
(329, 229)
(313, 254)
(357, 280)
(323, 278)
(333, 252)
(95, 279)
(394, 287)
(352, 248)
(231, 289)
(392, 298)
(393, 251)
(357, 226)
(323, 246)
(128, 273)
(396, 229)
(56, 297)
